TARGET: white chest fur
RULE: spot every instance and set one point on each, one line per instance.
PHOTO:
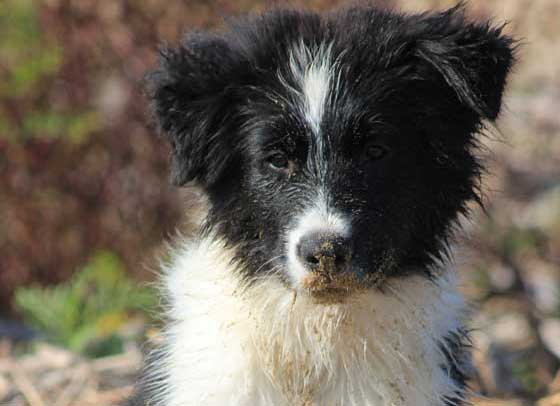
(261, 345)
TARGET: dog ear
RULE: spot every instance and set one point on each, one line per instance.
(474, 59)
(191, 99)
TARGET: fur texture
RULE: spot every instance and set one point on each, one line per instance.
(233, 344)
(336, 152)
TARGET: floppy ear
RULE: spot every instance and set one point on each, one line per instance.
(191, 100)
(474, 59)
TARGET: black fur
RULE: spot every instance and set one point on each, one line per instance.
(415, 87)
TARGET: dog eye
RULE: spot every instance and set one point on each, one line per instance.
(376, 152)
(278, 161)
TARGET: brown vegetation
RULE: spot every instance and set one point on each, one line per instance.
(82, 170)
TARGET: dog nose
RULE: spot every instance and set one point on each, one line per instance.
(324, 252)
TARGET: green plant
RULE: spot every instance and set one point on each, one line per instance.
(31, 61)
(28, 56)
(85, 313)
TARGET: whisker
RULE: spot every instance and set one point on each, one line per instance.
(268, 262)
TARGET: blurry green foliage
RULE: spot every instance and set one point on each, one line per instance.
(74, 127)
(27, 55)
(5, 124)
(85, 313)
(29, 61)
(524, 371)
(480, 278)
(510, 240)
(516, 240)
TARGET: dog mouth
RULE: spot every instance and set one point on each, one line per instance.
(329, 287)
(325, 283)
(330, 295)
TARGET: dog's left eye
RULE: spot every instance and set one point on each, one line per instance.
(376, 152)
(278, 161)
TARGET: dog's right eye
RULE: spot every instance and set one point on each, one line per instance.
(278, 162)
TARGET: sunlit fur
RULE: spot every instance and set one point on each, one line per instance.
(234, 344)
(360, 124)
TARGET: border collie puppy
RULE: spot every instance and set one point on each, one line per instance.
(336, 153)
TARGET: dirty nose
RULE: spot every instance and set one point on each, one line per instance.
(324, 252)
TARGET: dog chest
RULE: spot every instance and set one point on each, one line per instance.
(264, 345)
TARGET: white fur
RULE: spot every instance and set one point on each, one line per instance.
(319, 217)
(315, 73)
(313, 70)
(265, 345)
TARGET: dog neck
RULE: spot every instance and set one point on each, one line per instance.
(229, 343)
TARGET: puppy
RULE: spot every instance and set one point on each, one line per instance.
(336, 153)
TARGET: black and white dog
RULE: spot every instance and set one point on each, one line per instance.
(336, 153)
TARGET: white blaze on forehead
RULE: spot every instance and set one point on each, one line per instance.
(313, 69)
(318, 218)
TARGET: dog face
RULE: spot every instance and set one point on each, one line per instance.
(336, 150)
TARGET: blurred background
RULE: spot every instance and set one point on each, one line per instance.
(85, 204)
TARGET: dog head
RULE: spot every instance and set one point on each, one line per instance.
(336, 150)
